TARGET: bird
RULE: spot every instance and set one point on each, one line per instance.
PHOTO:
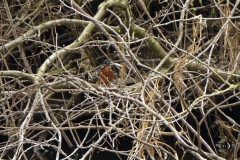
(106, 74)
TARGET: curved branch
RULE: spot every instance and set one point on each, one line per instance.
(19, 74)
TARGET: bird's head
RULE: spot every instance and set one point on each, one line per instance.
(106, 63)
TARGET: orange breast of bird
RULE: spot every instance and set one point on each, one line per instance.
(105, 76)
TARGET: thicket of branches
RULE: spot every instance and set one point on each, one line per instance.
(177, 72)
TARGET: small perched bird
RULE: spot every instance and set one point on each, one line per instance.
(106, 73)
